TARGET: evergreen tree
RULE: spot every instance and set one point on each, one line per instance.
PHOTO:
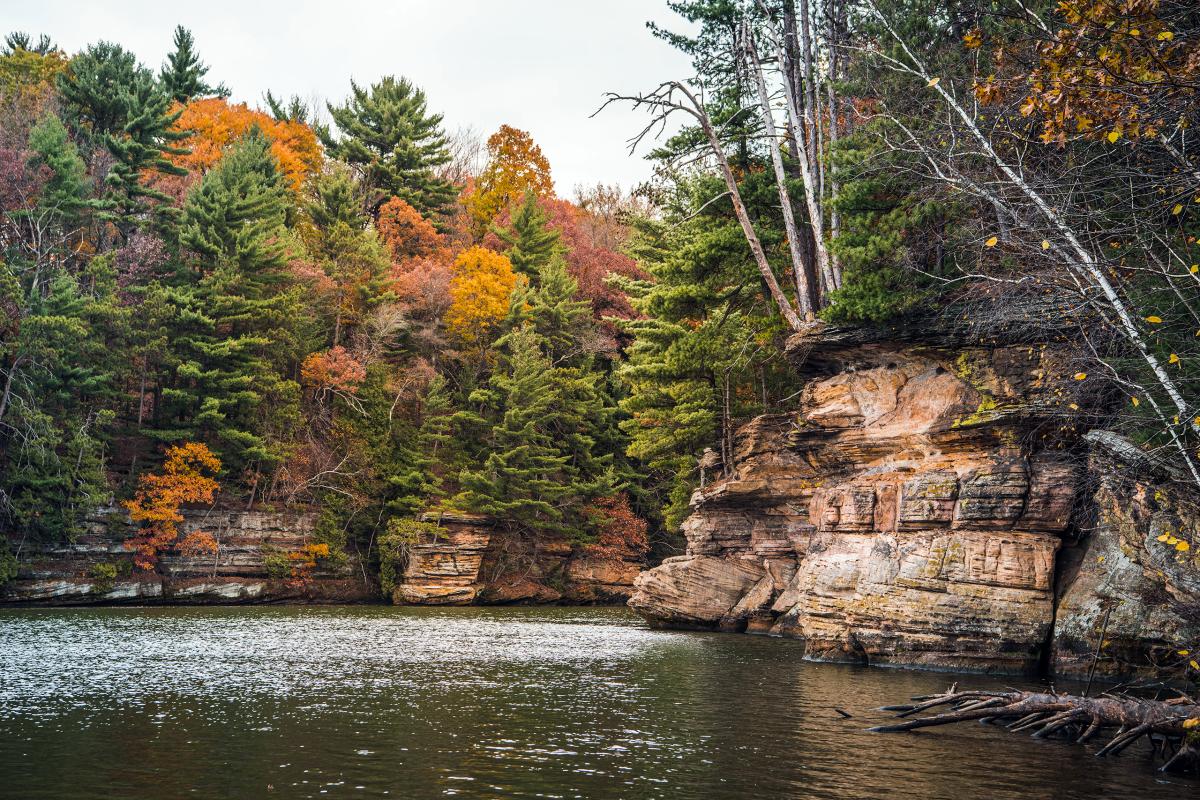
(346, 249)
(532, 243)
(237, 314)
(549, 452)
(388, 135)
(293, 109)
(93, 89)
(67, 189)
(182, 76)
(118, 104)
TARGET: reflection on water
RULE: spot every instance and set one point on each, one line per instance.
(416, 703)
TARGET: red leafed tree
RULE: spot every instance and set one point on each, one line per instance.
(188, 476)
(334, 370)
(622, 533)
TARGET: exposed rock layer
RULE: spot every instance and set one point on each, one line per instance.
(250, 566)
(911, 512)
(471, 562)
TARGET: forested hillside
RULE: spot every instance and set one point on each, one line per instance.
(254, 301)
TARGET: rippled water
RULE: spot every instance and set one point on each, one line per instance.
(416, 703)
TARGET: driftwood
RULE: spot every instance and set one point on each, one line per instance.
(1172, 726)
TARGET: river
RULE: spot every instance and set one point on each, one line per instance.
(236, 702)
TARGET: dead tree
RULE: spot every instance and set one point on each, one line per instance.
(1172, 726)
(671, 97)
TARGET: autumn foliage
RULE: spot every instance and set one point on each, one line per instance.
(406, 233)
(621, 532)
(515, 165)
(480, 287)
(187, 476)
(215, 123)
(335, 369)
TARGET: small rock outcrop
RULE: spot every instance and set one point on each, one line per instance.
(472, 561)
(252, 565)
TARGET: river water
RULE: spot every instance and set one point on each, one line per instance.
(481, 703)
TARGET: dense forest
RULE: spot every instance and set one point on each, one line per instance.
(353, 307)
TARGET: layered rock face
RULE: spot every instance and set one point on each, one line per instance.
(472, 562)
(252, 565)
(1133, 584)
(909, 513)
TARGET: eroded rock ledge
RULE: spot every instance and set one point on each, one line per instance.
(472, 562)
(252, 565)
(914, 512)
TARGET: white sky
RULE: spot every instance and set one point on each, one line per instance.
(539, 65)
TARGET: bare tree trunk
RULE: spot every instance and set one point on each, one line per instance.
(739, 208)
(834, 56)
(812, 198)
(799, 272)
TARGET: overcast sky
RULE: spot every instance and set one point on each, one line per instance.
(539, 65)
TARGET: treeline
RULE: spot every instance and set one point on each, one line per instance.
(200, 301)
(382, 317)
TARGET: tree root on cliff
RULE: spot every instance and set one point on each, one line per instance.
(1172, 726)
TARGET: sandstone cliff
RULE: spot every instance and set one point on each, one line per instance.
(914, 511)
(472, 562)
(252, 565)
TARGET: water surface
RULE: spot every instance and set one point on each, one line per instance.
(481, 703)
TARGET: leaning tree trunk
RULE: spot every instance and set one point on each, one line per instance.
(1173, 726)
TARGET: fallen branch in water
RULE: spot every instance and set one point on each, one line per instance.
(1173, 726)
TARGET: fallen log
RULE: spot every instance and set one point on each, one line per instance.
(1172, 726)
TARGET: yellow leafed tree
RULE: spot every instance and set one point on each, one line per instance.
(482, 282)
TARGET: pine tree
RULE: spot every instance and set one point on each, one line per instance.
(347, 250)
(117, 102)
(395, 144)
(237, 314)
(66, 191)
(551, 306)
(546, 456)
(532, 242)
(94, 87)
(182, 76)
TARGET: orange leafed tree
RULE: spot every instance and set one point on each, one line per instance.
(216, 123)
(406, 233)
(515, 165)
(188, 476)
(334, 370)
(480, 287)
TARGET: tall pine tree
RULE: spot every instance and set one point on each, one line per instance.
(182, 75)
(237, 314)
(388, 135)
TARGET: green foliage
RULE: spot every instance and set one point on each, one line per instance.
(394, 547)
(531, 242)
(104, 577)
(118, 103)
(182, 76)
(65, 193)
(9, 566)
(705, 354)
(389, 137)
(235, 331)
(544, 458)
(276, 564)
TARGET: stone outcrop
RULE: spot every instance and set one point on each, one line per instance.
(473, 562)
(1133, 583)
(912, 512)
(252, 565)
